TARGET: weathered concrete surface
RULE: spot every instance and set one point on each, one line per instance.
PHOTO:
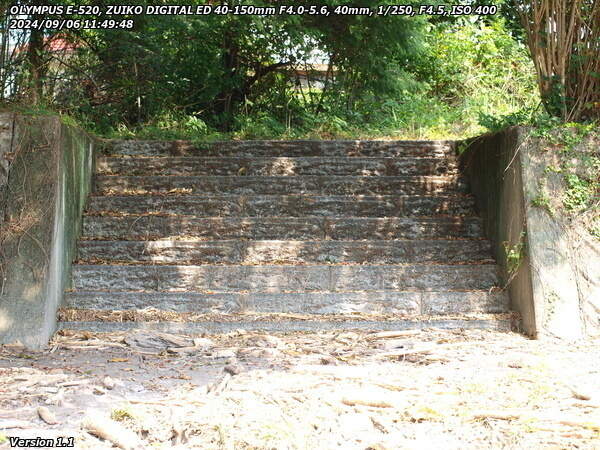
(285, 205)
(312, 228)
(285, 252)
(269, 278)
(557, 285)
(214, 327)
(565, 258)
(48, 183)
(493, 165)
(403, 303)
(438, 149)
(282, 166)
(279, 228)
(348, 185)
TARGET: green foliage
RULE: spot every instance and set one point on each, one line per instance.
(541, 200)
(121, 415)
(261, 126)
(222, 67)
(460, 76)
(478, 67)
(495, 123)
(515, 254)
(565, 135)
(580, 192)
(202, 77)
(574, 148)
(166, 126)
(34, 110)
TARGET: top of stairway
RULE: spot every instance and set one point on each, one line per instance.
(272, 148)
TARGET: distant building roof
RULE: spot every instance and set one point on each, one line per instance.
(58, 43)
(313, 69)
(55, 44)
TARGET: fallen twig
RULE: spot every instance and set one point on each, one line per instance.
(499, 415)
(366, 402)
(110, 430)
(405, 352)
(219, 386)
(393, 334)
(46, 415)
(166, 402)
(73, 383)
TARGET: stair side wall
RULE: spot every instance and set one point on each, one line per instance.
(48, 180)
(493, 168)
(557, 284)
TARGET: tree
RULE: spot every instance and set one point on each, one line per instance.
(211, 66)
(564, 40)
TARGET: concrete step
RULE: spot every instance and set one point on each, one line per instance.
(285, 205)
(284, 252)
(224, 324)
(282, 236)
(282, 166)
(403, 303)
(277, 278)
(346, 185)
(428, 149)
(149, 227)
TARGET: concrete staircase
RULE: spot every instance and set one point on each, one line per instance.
(271, 235)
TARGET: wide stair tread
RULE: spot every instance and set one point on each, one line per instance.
(309, 184)
(439, 149)
(154, 227)
(284, 252)
(404, 303)
(293, 205)
(282, 236)
(275, 166)
(284, 278)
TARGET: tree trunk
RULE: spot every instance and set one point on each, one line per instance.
(36, 64)
(3, 48)
(227, 98)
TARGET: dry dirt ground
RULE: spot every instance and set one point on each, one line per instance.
(431, 389)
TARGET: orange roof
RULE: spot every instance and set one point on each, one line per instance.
(58, 44)
(54, 44)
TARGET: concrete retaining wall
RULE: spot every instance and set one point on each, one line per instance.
(48, 173)
(555, 283)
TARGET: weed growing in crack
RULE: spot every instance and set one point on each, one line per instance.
(515, 254)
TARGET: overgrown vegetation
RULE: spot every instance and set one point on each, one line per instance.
(203, 77)
(281, 76)
(574, 148)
